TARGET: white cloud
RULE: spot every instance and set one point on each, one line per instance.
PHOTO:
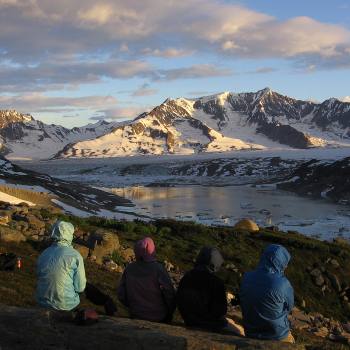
(128, 112)
(37, 102)
(144, 90)
(345, 99)
(170, 52)
(192, 72)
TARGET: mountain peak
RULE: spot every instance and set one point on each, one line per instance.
(12, 116)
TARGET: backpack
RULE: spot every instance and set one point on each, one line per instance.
(8, 261)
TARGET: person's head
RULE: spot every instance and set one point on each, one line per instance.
(145, 250)
(275, 259)
(210, 259)
(62, 232)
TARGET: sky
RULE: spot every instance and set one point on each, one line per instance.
(73, 62)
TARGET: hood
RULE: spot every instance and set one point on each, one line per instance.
(62, 233)
(145, 250)
(209, 259)
(275, 259)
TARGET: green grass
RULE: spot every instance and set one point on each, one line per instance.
(179, 243)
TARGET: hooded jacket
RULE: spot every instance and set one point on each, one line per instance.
(60, 271)
(201, 296)
(267, 296)
(145, 287)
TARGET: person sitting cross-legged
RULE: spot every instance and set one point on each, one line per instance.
(145, 287)
(267, 297)
(60, 271)
(201, 296)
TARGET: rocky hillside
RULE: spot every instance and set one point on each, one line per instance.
(110, 334)
(224, 122)
(19, 185)
(320, 179)
(318, 272)
(21, 136)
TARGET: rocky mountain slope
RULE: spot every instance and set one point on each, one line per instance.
(21, 136)
(321, 179)
(224, 122)
(19, 185)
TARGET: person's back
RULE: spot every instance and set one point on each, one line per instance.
(145, 287)
(60, 271)
(267, 296)
(201, 300)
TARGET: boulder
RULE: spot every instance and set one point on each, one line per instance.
(35, 223)
(335, 282)
(83, 250)
(4, 219)
(20, 226)
(246, 225)
(127, 254)
(103, 244)
(26, 329)
(8, 235)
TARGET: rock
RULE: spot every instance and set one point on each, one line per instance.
(299, 320)
(246, 225)
(169, 266)
(110, 265)
(334, 263)
(340, 338)
(40, 329)
(335, 282)
(127, 254)
(319, 281)
(103, 244)
(4, 219)
(321, 332)
(341, 241)
(315, 273)
(8, 235)
(35, 223)
(83, 250)
(20, 226)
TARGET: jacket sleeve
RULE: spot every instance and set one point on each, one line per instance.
(79, 276)
(121, 291)
(289, 296)
(167, 289)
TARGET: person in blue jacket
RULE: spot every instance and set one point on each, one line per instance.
(267, 297)
(60, 271)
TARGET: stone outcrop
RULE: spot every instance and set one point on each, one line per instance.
(23, 329)
(246, 225)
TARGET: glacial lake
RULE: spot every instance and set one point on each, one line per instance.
(225, 205)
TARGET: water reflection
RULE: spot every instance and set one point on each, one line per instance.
(225, 205)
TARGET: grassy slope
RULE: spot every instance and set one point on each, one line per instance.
(179, 243)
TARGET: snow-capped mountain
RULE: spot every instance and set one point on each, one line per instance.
(223, 122)
(21, 136)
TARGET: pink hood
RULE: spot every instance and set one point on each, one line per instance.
(145, 250)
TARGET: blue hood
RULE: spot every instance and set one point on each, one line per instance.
(274, 259)
(62, 233)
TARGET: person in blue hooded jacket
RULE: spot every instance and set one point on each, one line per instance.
(60, 271)
(267, 297)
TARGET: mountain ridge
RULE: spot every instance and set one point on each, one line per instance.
(217, 123)
(223, 122)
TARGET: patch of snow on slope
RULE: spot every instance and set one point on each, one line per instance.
(13, 200)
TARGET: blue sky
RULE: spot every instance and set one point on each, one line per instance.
(74, 62)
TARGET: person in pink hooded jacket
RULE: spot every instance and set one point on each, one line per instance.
(145, 287)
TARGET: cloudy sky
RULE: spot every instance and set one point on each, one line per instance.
(72, 62)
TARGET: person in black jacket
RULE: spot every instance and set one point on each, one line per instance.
(201, 296)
